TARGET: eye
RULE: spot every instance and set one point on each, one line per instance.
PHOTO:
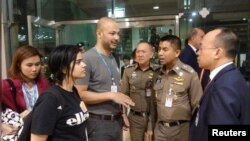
(79, 61)
(38, 64)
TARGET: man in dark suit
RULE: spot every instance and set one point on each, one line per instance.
(226, 99)
(188, 54)
(193, 41)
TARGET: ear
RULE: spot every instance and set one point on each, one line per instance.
(98, 32)
(64, 71)
(152, 55)
(218, 53)
(177, 52)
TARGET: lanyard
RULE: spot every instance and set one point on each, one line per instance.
(106, 65)
(30, 100)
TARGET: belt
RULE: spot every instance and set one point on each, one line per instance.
(105, 117)
(142, 114)
(174, 123)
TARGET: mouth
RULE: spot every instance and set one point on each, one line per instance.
(34, 74)
(161, 59)
(114, 43)
(140, 59)
(84, 71)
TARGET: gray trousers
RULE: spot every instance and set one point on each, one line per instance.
(104, 130)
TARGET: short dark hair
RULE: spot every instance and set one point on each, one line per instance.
(228, 40)
(21, 54)
(60, 59)
(174, 40)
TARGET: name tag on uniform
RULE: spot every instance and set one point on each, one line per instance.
(169, 102)
(148, 92)
(114, 88)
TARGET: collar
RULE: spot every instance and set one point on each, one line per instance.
(176, 68)
(193, 48)
(151, 66)
(217, 70)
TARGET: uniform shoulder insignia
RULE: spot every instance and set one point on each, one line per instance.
(156, 67)
(188, 68)
(131, 65)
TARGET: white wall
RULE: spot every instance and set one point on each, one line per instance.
(3, 57)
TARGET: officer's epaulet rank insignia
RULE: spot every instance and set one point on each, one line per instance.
(131, 65)
(188, 68)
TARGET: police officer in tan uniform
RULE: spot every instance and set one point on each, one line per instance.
(138, 84)
(177, 92)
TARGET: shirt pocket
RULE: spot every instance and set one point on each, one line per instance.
(158, 89)
(180, 95)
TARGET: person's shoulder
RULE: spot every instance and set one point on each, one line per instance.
(131, 67)
(43, 80)
(186, 68)
(155, 67)
(89, 53)
(17, 82)
(49, 93)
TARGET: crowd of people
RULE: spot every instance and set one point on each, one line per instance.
(175, 99)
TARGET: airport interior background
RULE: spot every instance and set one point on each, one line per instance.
(48, 23)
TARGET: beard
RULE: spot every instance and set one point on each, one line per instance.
(107, 47)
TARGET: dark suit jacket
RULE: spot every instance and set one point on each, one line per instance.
(188, 56)
(225, 101)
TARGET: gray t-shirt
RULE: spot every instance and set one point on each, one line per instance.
(99, 69)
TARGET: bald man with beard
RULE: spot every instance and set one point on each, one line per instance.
(99, 89)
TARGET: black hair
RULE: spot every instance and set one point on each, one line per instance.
(174, 40)
(59, 61)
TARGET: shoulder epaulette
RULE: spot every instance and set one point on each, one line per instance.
(187, 68)
(131, 65)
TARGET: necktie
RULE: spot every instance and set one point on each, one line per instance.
(196, 52)
(208, 83)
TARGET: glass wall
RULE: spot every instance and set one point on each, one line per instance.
(207, 14)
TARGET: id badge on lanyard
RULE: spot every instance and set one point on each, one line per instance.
(113, 87)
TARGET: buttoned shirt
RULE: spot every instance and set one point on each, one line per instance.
(177, 92)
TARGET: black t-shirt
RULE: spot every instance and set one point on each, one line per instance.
(62, 122)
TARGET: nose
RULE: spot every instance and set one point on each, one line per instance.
(159, 52)
(117, 37)
(34, 68)
(83, 64)
(140, 54)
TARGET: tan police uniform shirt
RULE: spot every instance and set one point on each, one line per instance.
(133, 84)
(177, 92)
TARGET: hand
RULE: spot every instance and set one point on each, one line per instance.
(122, 99)
(8, 129)
(148, 135)
(125, 122)
(24, 113)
